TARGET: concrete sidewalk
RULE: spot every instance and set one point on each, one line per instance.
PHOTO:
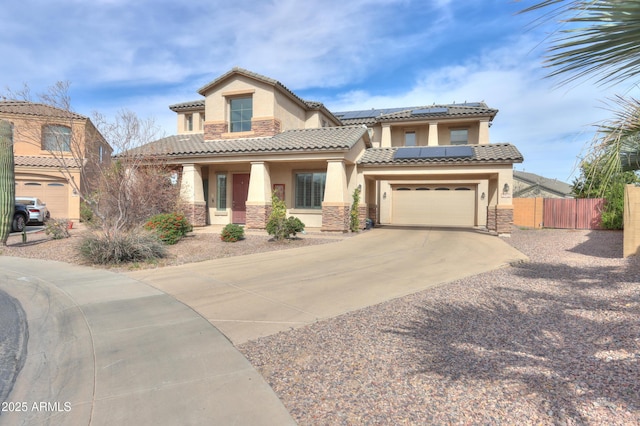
(105, 349)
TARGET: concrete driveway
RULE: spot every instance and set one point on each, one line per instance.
(248, 297)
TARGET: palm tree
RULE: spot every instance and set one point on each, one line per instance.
(600, 38)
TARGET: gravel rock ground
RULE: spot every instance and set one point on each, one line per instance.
(552, 341)
(203, 244)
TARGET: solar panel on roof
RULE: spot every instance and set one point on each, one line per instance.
(428, 152)
(432, 110)
(433, 152)
(459, 151)
(406, 153)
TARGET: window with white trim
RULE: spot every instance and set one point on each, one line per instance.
(188, 122)
(310, 190)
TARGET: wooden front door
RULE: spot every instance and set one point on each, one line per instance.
(239, 200)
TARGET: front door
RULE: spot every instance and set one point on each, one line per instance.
(239, 200)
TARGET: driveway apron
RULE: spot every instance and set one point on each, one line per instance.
(247, 297)
(105, 349)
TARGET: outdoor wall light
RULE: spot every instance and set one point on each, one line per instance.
(505, 189)
(482, 196)
(384, 196)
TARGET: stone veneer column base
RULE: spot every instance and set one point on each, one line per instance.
(335, 217)
(258, 216)
(362, 216)
(500, 219)
(196, 213)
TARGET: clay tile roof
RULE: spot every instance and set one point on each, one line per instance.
(303, 140)
(420, 112)
(187, 105)
(492, 153)
(36, 109)
(42, 161)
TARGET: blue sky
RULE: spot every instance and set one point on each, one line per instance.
(145, 55)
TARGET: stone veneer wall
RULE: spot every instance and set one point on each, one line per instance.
(196, 213)
(373, 213)
(335, 218)
(268, 127)
(500, 219)
(258, 216)
(214, 130)
(362, 216)
(259, 128)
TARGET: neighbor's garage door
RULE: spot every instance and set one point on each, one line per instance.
(443, 205)
(54, 194)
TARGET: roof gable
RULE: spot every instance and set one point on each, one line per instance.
(551, 185)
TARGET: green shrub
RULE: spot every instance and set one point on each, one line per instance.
(232, 233)
(278, 225)
(293, 226)
(86, 214)
(169, 227)
(132, 246)
(57, 228)
(354, 216)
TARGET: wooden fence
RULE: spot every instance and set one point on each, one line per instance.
(564, 213)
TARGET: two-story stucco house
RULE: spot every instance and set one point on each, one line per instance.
(249, 136)
(53, 147)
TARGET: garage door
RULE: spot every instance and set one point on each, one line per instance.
(443, 205)
(54, 194)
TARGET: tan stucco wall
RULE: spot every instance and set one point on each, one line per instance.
(444, 127)
(631, 244)
(485, 179)
(198, 122)
(268, 103)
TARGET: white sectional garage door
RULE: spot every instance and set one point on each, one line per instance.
(444, 205)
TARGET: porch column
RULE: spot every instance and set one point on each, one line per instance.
(483, 135)
(192, 193)
(335, 204)
(433, 134)
(259, 197)
(385, 138)
(500, 209)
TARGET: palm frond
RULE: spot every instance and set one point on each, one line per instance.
(599, 38)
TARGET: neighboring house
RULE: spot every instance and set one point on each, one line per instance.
(51, 147)
(249, 136)
(529, 185)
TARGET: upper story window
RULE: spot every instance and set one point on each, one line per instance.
(188, 122)
(241, 113)
(410, 139)
(459, 136)
(101, 153)
(201, 122)
(56, 138)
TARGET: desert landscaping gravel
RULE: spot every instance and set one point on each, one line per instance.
(555, 340)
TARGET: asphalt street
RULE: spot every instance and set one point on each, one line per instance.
(13, 342)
